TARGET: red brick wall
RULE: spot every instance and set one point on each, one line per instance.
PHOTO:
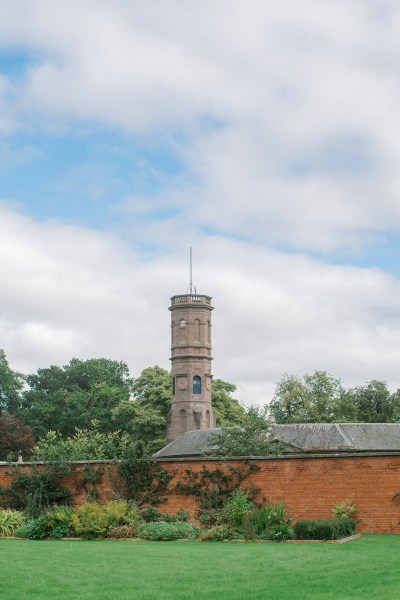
(308, 486)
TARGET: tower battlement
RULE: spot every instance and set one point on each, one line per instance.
(190, 299)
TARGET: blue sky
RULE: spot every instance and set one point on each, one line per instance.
(264, 136)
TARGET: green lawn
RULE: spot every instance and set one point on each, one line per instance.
(365, 569)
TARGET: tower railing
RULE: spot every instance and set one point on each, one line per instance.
(191, 299)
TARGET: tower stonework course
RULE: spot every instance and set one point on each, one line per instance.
(191, 365)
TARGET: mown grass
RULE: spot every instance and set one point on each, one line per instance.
(75, 570)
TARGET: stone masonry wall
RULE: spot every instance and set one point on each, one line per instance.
(308, 485)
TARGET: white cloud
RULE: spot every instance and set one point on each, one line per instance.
(69, 291)
(285, 116)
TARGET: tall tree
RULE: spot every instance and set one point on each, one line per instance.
(311, 399)
(15, 437)
(145, 415)
(227, 409)
(374, 403)
(62, 398)
(11, 384)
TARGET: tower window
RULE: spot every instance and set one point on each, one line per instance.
(182, 323)
(173, 386)
(197, 384)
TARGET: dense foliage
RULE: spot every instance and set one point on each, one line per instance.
(63, 398)
(249, 439)
(33, 492)
(15, 437)
(321, 398)
(10, 520)
(324, 529)
(11, 385)
(166, 531)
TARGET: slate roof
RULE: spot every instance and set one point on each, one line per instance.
(303, 437)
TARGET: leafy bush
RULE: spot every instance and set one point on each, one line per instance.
(59, 522)
(344, 509)
(212, 516)
(10, 520)
(280, 532)
(54, 523)
(237, 507)
(271, 523)
(180, 516)
(151, 514)
(122, 531)
(268, 516)
(324, 529)
(163, 531)
(35, 529)
(219, 533)
(33, 493)
(92, 520)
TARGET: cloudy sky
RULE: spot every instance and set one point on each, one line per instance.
(266, 135)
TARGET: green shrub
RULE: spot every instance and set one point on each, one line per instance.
(324, 529)
(238, 506)
(180, 516)
(344, 509)
(249, 530)
(271, 523)
(212, 516)
(92, 520)
(54, 523)
(35, 529)
(280, 532)
(164, 531)
(10, 520)
(122, 531)
(219, 533)
(33, 493)
(59, 522)
(151, 514)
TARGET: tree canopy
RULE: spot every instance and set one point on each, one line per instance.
(227, 409)
(15, 437)
(321, 398)
(62, 398)
(248, 439)
(11, 384)
(69, 401)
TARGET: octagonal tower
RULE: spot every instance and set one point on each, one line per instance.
(191, 365)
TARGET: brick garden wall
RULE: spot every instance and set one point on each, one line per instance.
(308, 485)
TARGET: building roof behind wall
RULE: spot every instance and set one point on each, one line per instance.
(302, 437)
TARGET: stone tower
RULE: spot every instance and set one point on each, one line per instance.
(191, 365)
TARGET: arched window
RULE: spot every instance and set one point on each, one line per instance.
(197, 384)
(173, 386)
(182, 323)
(208, 419)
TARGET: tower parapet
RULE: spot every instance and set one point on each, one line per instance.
(190, 365)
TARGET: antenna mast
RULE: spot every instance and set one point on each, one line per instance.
(191, 279)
